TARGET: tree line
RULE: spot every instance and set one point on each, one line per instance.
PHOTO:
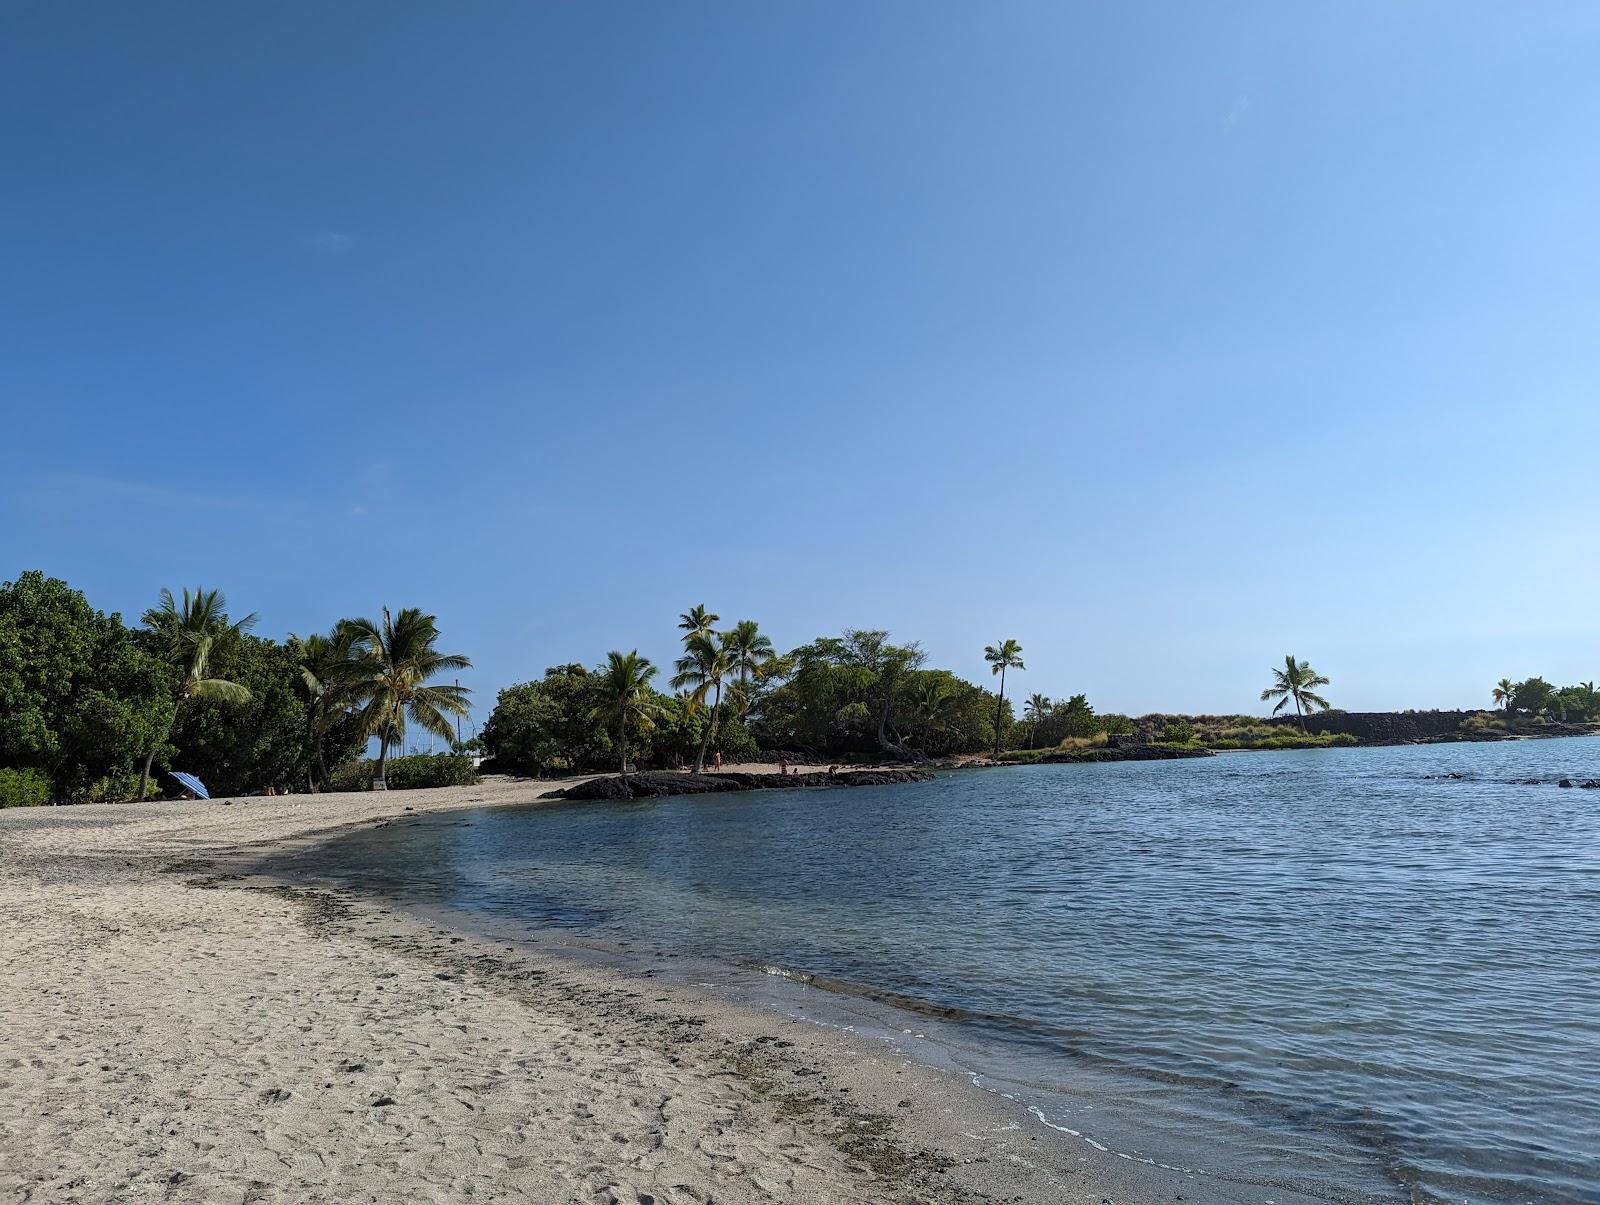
(1538, 699)
(93, 709)
(733, 696)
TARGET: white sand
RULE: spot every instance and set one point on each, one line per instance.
(172, 1034)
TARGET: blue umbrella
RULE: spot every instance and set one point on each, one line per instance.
(192, 783)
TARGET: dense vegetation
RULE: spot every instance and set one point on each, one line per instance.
(1534, 698)
(855, 695)
(92, 709)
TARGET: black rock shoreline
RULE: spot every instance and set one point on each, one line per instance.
(654, 783)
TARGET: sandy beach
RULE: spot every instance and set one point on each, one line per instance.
(177, 1033)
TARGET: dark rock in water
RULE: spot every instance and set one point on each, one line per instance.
(1125, 752)
(667, 782)
(1565, 782)
(1590, 784)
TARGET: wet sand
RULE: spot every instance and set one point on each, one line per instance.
(177, 1031)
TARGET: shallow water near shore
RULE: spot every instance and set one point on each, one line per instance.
(1373, 970)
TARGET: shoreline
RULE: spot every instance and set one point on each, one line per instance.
(146, 971)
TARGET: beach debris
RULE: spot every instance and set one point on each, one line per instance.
(381, 1102)
(275, 1096)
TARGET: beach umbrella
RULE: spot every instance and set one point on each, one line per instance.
(192, 783)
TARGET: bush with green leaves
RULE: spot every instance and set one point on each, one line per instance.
(23, 789)
(79, 700)
(410, 773)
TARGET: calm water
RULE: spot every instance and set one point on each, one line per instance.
(1339, 957)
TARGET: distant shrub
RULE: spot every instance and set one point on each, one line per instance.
(406, 773)
(23, 789)
(1178, 732)
(430, 770)
(353, 775)
(1116, 725)
(1096, 741)
(1278, 739)
(1482, 721)
(114, 788)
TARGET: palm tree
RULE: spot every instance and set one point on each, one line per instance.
(625, 696)
(750, 655)
(707, 660)
(697, 621)
(1296, 681)
(1035, 710)
(329, 667)
(1503, 692)
(1006, 655)
(394, 661)
(192, 632)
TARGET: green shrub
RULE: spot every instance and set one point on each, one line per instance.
(406, 773)
(1244, 739)
(23, 789)
(354, 775)
(116, 788)
(429, 770)
(1178, 732)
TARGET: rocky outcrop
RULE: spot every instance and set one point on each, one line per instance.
(668, 782)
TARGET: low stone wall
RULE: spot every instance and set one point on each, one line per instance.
(1383, 727)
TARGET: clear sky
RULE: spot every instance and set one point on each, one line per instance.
(1166, 338)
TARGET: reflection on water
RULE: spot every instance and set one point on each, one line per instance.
(1340, 942)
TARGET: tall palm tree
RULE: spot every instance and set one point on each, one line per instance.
(1001, 657)
(706, 663)
(625, 696)
(1503, 692)
(697, 621)
(191, 632)
(750, 655)
(1035, 711)
(1296, 682)
(394, 661)
(329, 668)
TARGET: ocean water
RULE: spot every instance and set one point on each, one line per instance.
(1377, 969)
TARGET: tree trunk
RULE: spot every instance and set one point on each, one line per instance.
(1300, 714)
(898, 746)
(144, 775)
(700, 753)
(716, 713)
(312, 752)
(999, 710)
(622, 744)
(378, 783)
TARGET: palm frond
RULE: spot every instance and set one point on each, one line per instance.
(217, 690)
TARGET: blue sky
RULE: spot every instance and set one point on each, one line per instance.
(1166, 339)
